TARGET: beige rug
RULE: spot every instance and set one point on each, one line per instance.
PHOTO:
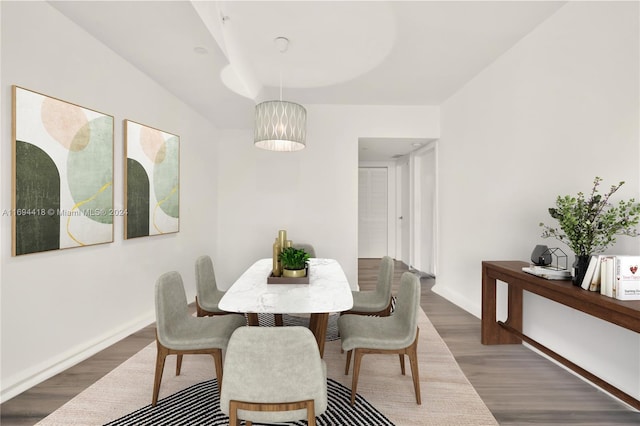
(447, 396)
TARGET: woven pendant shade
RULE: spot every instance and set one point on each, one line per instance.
(280, 126)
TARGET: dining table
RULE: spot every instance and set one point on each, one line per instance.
(328, 291)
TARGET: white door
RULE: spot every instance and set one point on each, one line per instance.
(372, 212)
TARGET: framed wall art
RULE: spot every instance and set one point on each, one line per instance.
(152, 181)
(62, 182)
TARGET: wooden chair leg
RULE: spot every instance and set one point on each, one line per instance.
(356, 372)
(233, 414)
(413, 359)
(346, 368)
(402, 363)
(178, 364)
(160, 358)
(311, 413)
(217, 358)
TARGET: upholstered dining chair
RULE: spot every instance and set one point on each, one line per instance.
(207, 294)
(395, 334)
(378, 301)
(273, 374)
(307, 247)
(178, 333)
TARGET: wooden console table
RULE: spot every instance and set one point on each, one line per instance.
(623, 313)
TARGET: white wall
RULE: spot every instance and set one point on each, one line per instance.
(312, 193)
(60, 307)
(558, 109)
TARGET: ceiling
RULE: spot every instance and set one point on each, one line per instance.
(386, 149)
(220, 57)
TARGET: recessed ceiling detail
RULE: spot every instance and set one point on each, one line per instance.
(341, 53)
(331, 42)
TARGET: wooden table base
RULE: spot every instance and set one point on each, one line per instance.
(317, 324)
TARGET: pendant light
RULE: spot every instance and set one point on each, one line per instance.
(280, 125)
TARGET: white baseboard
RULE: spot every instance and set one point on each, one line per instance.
(27, 379)
(471, 306)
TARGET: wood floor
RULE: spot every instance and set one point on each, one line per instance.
(519, 386)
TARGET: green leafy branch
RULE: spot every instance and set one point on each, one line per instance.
(293, 258)
(591, 225)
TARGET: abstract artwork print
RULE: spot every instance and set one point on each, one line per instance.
(152, 181)
(62, 174)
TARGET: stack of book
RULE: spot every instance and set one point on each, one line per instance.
(614, 276)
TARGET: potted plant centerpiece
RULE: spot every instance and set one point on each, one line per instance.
(590, 225)
(294, 262)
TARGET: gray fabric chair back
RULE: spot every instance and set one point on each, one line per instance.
(171, 306)
(206, 286)
(385, 278)
(407, 306)
(307, 247)
(273, 365)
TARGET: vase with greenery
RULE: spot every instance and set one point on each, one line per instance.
(590, 225)
(294, 262)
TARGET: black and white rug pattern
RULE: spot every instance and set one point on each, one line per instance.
(200, 405)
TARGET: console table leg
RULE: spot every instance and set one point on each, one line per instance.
(492, 332)
(514, 313)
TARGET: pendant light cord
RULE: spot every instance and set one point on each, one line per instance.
(282, 44)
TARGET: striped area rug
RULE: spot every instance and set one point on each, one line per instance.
(447, 396)
(200, 405)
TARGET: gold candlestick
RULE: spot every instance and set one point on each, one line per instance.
(277, 270)
(282, 239)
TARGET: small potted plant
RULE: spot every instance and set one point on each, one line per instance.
(590, 225)
(294, 262)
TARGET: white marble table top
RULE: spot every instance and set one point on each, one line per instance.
(328, 291)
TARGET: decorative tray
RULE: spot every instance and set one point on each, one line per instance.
(287, 280)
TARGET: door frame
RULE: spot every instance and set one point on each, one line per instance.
(403, 248)
(394, 205)
(418, 226)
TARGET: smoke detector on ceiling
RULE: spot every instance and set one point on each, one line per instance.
(282, 43)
